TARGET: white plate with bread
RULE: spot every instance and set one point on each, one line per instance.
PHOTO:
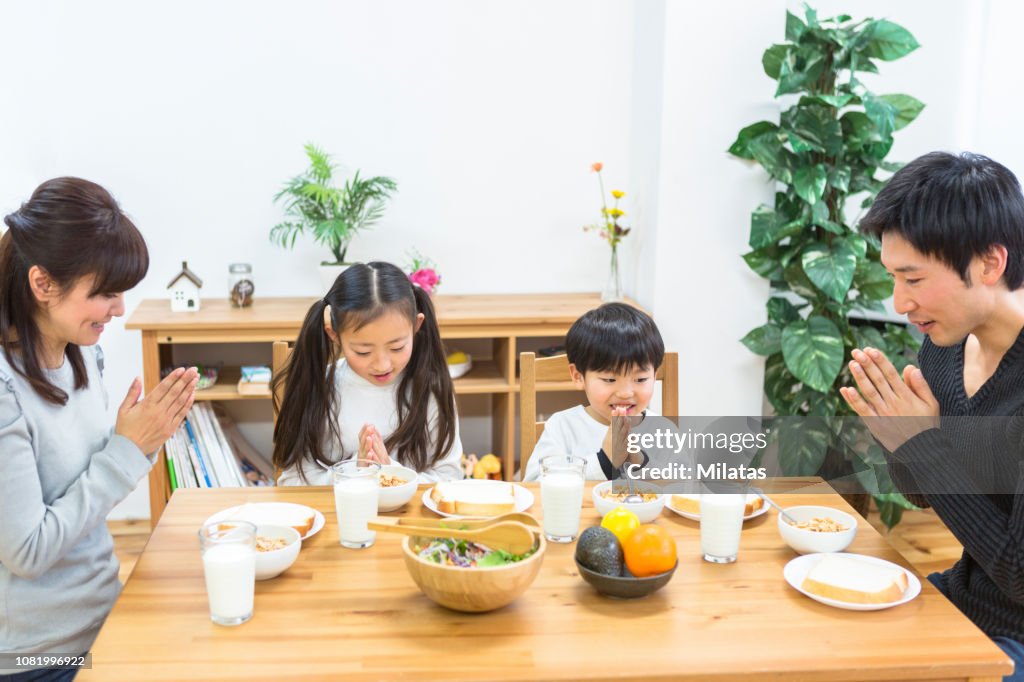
(473, 497)
(306, 520)
(689, 506)
(852, 581)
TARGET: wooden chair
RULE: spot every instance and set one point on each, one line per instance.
(280, 353)
(536, 374)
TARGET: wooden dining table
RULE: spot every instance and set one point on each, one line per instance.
(357, 615)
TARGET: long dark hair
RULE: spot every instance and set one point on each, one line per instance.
(71, 228)
(307, 414)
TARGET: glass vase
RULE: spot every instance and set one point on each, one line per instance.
(613, 290)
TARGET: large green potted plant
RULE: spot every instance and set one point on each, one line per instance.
(333, 215)
(824, 154)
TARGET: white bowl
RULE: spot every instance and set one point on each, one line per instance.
(394, 497)
(810, 542)
(272, 564)
(461, 368)
(645, 511)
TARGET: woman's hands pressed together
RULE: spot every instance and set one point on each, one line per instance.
(149, 422)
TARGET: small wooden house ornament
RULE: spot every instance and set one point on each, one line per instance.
(185, 290)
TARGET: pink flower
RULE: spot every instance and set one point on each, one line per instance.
(426, 279)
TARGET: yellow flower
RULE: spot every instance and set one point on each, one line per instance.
(618, 193)
(616, 212)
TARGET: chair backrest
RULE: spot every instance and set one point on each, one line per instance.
(281, 352)
(539, 374)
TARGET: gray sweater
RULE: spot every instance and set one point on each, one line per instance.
(61, 472)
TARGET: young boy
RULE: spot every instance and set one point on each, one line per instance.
(952, 232)
(613, 353)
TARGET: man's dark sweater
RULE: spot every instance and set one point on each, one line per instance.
(974, 456)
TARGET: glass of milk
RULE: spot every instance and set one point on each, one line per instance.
(356, 486)
(721, 521)
(229, 564)
(561, 492)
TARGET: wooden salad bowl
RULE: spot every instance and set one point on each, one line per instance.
(472, 589)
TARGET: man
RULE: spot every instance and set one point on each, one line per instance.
(952, 233)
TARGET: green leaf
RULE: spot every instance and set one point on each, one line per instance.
(872, 281)
(740, 147)
(797, 280)
(839, 177)
(907, 108)
(778, 384)
(781, 311)
(858, 129)
(882, 114)
(809, 182)
(768, 151)
(813, 350)
(869, 305)
(889, 41)
(803, 445)
(794, 27)
(768, 226)
(772, 59)
(858, 244)
(765, 262)
(830, 268)
(813, 128)
(836, 101)
(867, 335)
(765, 340)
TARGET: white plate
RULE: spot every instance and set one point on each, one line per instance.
(524, 498)
(696, 517)
(797, 569)
(266, 511)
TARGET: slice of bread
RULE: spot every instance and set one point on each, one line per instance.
(299, 518)
(856, 581)
(691, 504)
(469, 498)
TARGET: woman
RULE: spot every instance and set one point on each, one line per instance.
(65, 262)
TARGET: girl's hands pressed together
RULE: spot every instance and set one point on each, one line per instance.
(151, 421)
(371, 445)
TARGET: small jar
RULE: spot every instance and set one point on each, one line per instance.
(240, 286)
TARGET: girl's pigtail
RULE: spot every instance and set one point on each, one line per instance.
(306, 413)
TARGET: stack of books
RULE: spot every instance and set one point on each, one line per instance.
(208, 451)
(255, 380)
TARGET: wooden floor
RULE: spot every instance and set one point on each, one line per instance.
(920, 537)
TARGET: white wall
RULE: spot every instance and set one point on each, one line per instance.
(488, 113)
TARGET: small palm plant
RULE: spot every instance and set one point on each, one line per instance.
(333, 215)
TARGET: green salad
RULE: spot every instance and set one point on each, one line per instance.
(466, 554)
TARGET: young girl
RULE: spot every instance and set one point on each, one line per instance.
(67, 256)
(368, 379)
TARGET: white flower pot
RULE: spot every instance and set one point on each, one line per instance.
(330, 272)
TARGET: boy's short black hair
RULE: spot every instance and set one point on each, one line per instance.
(614, 338)
(953, 208)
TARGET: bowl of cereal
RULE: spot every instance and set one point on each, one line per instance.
(817, 529)
(397, 486)
(643, 499)
(277, 547)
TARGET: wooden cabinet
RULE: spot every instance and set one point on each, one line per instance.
(500, 321)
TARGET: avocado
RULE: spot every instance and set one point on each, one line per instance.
(599, 550)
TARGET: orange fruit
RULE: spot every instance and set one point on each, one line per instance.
(649, 550)
(621, 522)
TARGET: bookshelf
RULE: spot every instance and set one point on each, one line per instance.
(501, 321)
